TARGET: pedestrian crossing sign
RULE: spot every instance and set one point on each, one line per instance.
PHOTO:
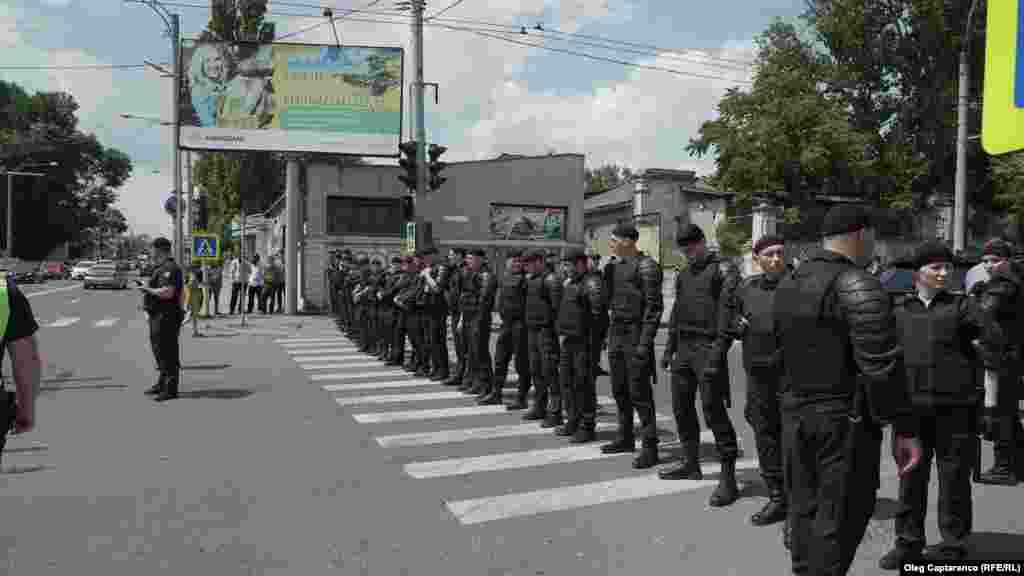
(1002, 115)
(205, 247)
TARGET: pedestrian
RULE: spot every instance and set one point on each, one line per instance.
(237, 275)
(754, 327)
(699, 337)
(404, 286)
(389, 311)
(1001, 298)
(457, 261)
(633, 287)
(162, 297)
(270, 280)
(255, 284)
(543, 293)
(437, 277)
(415, 299)
(213, 279)
(18, 326)
(194, 297)
(472, 307)
(580, 315)
(512, 338)
(939, 332)
(843, 380)
(279, 285)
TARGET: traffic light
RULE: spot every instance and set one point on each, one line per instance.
(200, 213)
(408, 164)
(435, 181)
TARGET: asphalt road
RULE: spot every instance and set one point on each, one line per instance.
(290, 453)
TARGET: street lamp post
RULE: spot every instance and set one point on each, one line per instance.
(960, 191)
(10, 199)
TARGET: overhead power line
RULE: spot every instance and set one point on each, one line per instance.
(330, 20)
(443, 10)
(80, 67)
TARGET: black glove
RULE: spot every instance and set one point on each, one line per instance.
(712, 365)
(8, 411)
(641, 354)
(988, 423)
(666, 360)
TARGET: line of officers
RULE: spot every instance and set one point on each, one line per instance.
(830, 358)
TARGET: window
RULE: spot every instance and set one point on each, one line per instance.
(364, 216)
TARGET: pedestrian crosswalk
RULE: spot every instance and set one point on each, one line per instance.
(67, 321)
(441, 435)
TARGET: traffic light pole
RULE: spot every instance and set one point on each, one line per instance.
(421, 130)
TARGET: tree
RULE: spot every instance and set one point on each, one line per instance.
(606, 177)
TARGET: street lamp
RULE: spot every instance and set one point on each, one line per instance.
(10, 197)
(173, 24)
(960, 190)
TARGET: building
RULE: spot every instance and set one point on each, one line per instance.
(660, 202)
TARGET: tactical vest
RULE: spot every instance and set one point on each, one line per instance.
(696, 304)
(513, 297)
(574, 311)
(469, 292)
(938, 369)
(627, 298)
(759, 342)
(5, 310)
(538, 301)
(815, 348)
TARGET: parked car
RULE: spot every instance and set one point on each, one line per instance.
(27, 272)
(79, 269)
(105, 274)
(56, 270)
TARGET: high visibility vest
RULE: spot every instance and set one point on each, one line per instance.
(5, 307)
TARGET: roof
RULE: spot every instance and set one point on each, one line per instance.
(623, 193)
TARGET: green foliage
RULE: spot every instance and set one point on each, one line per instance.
(1008, 177)
(733, 237)
(605, 177)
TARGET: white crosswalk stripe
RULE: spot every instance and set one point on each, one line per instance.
(385, 396)
(105, 323)
(62, 322)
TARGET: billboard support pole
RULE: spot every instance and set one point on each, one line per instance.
(421, 130)
(179, 247)
(291, 237)
(241, 260)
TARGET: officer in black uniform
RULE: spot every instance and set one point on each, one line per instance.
(939, 332)
(360, 300)
(543, 294)
(1002, 301)
(456, 263)
(755, 328)
(843, 378)
(415, 299)
(488, 292)
(633, 285)
(437, 279)
(344, 295)
(699, 336)
(18, 406)
(352, 281)
(386, 301)
(511, 302)
(376, 309)
(400, 292)
(580, 315)
(474, 313)
(162, 301)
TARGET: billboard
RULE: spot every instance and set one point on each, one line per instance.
(291, 98)
(515, 222)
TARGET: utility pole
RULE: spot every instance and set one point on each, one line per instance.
(418, 7)
(179, 236)
(963, 90)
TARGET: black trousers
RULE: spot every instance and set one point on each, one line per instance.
(438, 339)
(631, 382)
(512, 341)
(414, 330)
(476, 336)
(254, 298)
(1009, 437)
(576, 379)
(460, 346)
(831, 466)
(691, 358)
(164, 329)
(540, 343)
(237, 297)
(398, 335)
(764, 415)
(947, 436)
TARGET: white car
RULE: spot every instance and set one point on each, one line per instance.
(78, 270)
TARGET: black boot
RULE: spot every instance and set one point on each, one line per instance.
(787, 534)
(648, 456)
(536, 412)
(155, 388)
(169, 391)
(726, 492)
(569, 429)
(552, 420)
(774, 511)
(1001, 473)
(901, 553)
(518, 404)
(494, 398)
(583, 435)
(622, 445)
(687, 469)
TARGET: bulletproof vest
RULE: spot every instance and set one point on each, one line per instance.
(513, 296)
(759, 342)
(627, 299)
(538, 301)
(469, 292)
(938, 369)
(574, 311)
(696, 304)
(162, 276)
(1011, 318)
(451, 294)
(815, 344)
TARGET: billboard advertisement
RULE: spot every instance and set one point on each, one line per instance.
(515, 222)
(291, 98)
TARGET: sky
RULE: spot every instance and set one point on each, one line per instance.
(496, 96)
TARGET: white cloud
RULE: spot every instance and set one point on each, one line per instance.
(57, 3)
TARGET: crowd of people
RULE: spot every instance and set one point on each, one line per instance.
(831, 359)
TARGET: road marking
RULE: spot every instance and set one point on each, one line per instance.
(336, 358)
(506, 461)
(411, 383)
(106, 323)
(349, 376)
(318, 347)
(395, 398)
(291, 341)
(62, 322)
(54, 291)
(75, 301)
(438, 413)
(378, 365)
(480, 510)
(490, 432)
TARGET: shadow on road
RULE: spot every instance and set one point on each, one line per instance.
(206, 366)
(223, 335)
(83, 387)
(24, 469)
(996, 546)
(223, 393)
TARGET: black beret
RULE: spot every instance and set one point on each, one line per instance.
(767, 241)
(626, 231)
(574, 254)
(691, 233)
(931, 252)
(998, 247)
(430, 250)
(515, 253)
(376, 262)
(843, 219)
(364, 260)
(396, 260)
(459, 250)
(479, 252)
(534, 255)
(346, 252)
(162, 243)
